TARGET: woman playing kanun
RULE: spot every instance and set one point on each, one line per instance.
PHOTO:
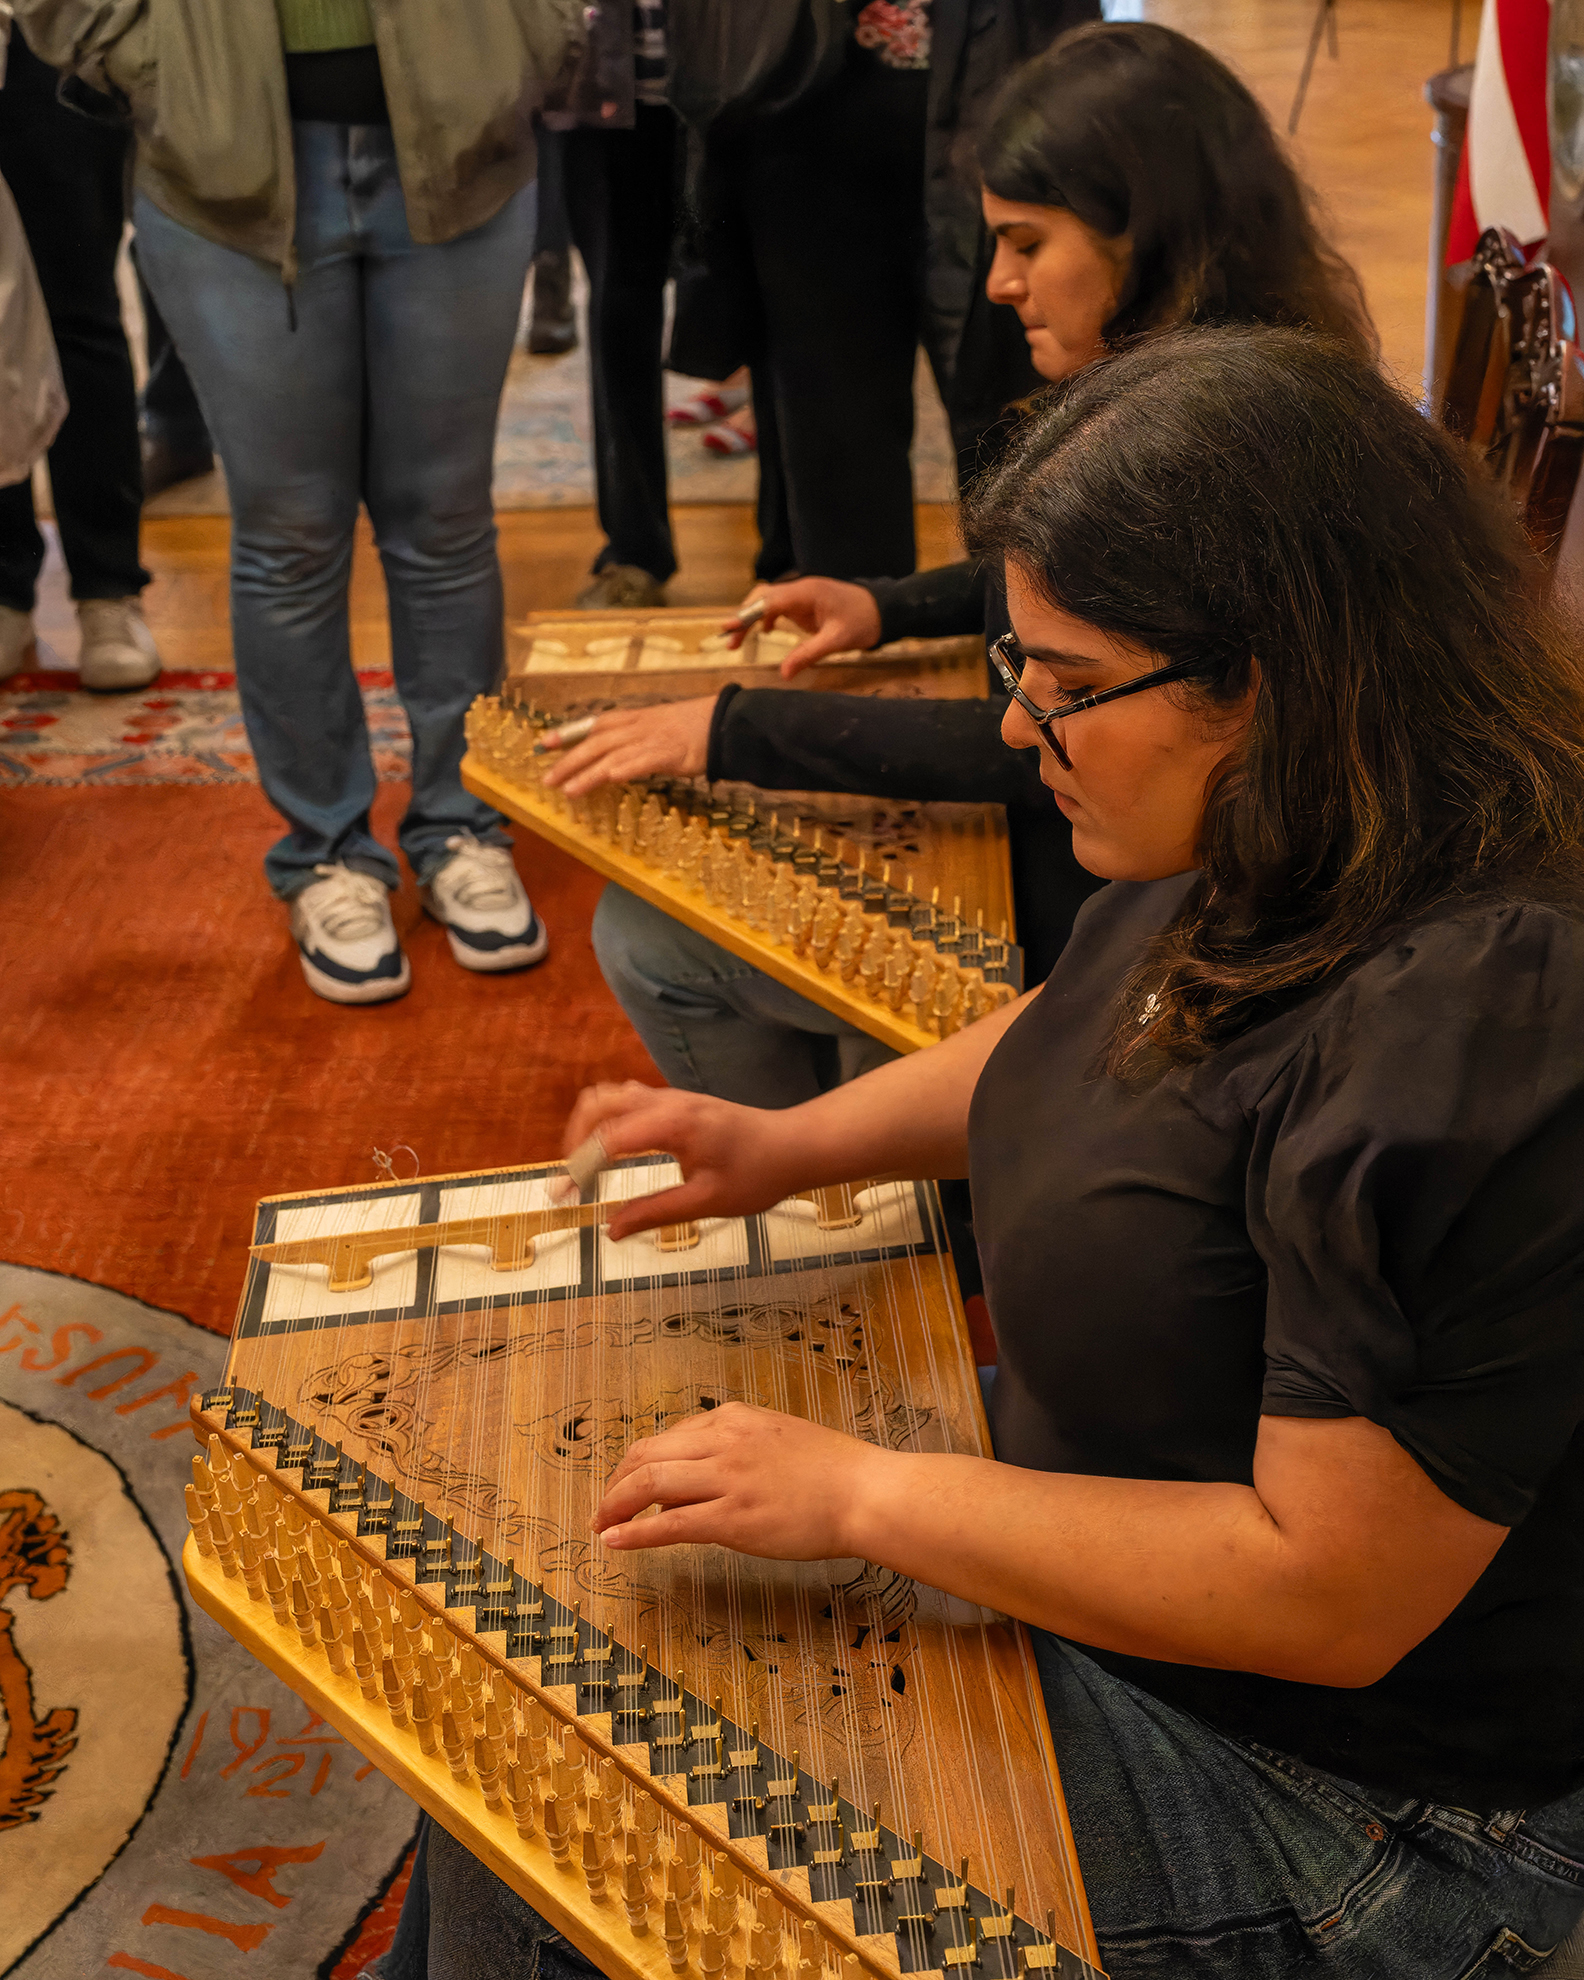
(1276, 1186)
(1132, 185)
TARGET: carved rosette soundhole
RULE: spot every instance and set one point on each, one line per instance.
(667, 1877)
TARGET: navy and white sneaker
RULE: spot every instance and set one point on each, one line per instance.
(346, 940)
(479, 901)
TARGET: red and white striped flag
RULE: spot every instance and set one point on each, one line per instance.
(1505, 177)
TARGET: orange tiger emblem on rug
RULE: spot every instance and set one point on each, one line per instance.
(33, 1555)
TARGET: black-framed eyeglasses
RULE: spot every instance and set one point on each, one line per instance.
(1010, 659)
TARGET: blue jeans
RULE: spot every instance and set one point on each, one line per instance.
(1205, 1858)
(386, 391)
(460, 1922)
(713, 1023)
(1209, 1858)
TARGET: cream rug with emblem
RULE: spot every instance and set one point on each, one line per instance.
(166, 1805)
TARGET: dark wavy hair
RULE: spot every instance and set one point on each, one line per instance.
(1143, 133)
(1262, 502)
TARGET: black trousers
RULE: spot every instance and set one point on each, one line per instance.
(621, 202)
(552, 232)
(66, 174)
(823, 206)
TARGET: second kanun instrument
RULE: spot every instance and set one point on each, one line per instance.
(898, 917)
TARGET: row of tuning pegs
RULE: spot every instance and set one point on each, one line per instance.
(596, 1822)
(888, 946)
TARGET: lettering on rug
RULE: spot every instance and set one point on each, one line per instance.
(167, 1806)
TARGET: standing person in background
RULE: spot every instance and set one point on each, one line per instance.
(32, 397)
(552, 324)
(810, 199)
(66, 173)
(335, 212)
(827, 190)
(176, 443)
(620, 156)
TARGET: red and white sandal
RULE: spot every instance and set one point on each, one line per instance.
(731, 440)
(705, 408)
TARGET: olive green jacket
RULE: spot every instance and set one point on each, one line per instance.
(206, 84)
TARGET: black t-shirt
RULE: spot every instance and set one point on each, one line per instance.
(1370, 1205)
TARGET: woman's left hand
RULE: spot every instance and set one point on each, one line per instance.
(746, 1478)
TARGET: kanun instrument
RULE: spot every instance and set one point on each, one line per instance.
(575, 663)
(898, 917)
(690, 1761)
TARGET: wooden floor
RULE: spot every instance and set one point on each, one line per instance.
(545, 554)
(1363, 144)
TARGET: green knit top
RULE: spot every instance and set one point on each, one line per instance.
(310, 27)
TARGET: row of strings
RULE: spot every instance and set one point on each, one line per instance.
(518, 1412)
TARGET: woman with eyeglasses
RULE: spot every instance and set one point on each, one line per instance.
(1276, 1184)
(1132, 184)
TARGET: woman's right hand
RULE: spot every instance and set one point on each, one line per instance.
(840, 618)
(628, 743)
(735, 1160)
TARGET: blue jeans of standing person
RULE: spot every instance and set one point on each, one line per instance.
(713, 1023)
(376, 379)
(1205, 1858)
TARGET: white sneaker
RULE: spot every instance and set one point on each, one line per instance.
(17, 644)
(118, 650)
(346, 940)
(488, 919)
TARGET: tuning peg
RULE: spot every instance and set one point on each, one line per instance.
(593, 1865)
(395, 1691)
(486, 1764)
(519, 1795)
(275, 1591)
(674, 1932)
(635, 1892)
(452, 1743)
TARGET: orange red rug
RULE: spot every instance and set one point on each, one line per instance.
(165, 1065)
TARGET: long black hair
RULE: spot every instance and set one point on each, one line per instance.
(1262, 502)
(1145, 135)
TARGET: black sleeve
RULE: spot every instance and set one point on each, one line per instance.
(873, 746)
(930, 604)
(1414, 1192)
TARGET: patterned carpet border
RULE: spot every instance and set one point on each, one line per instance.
(184, 729)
